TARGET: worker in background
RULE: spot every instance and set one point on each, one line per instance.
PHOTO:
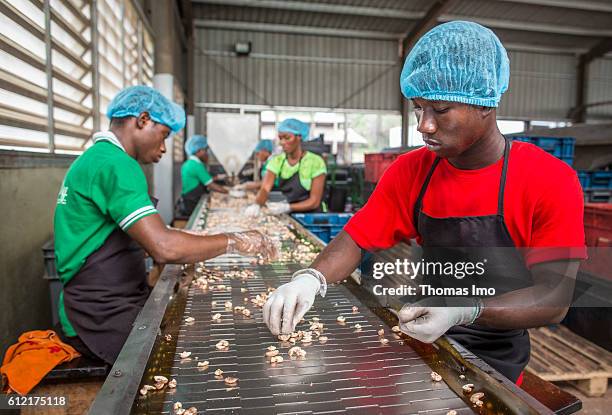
(263, 151)
(195, 176)
(300, 174)
(468, 194)
(104, 218)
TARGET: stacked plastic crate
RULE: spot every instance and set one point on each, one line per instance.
(375, 166)
(597, 186)
(560, 147)
(323, 225)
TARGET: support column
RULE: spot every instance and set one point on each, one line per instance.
(162, 18)
(579, 115)
(49, 71)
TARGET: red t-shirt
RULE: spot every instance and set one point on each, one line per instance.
(543, 202)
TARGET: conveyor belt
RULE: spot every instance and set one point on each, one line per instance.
(353, 372)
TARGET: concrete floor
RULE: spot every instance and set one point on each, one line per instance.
(591, 406)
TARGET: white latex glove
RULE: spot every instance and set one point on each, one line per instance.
(426, 323)
(240, 186)
(278, 208)
(252, 243)
(252, 210)
(237, 193)
(289, 302)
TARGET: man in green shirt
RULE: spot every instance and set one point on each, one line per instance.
(104, 218)
(195, 176)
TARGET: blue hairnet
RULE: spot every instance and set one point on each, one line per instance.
(134, 100)
(265, 145)
(196, 142)
(457, 61)
(296, 127)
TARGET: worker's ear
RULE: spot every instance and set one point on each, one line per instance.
(486, 111)
(142, 119)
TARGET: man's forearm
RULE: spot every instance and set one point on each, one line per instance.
(546, 302)
(217, 188)
(178, 247)
(339, 259)
(509, 317)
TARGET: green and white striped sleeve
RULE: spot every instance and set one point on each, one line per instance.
(121, 191)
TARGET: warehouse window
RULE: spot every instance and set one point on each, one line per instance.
(48, 46)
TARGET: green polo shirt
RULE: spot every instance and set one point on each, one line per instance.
(311, 166)
(103, 189)
(193, 173)
(264, 167)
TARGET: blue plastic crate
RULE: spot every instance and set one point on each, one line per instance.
(585, 178)
(322, 218)
(334, 230)
(561, 147)
(568, 160)
(321, 232)
(600, 180)
(324, 225)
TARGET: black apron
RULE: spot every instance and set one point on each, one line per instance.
(292, 187)
(188, 201)
(104, 298)
(461, 239)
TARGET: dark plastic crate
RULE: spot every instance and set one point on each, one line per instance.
(598, 196)
(600, 180)
(55, 285)
(49, 258)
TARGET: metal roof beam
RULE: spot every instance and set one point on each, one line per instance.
(594, 6)
(304, 6)
(298, 30)
(429, 20)
(556, 50)
(530, 27)
(407, 41)
(599, 50)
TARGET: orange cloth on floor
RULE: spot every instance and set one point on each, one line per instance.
(27, 362)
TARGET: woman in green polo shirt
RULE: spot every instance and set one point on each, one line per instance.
(300, 173)
(196, 178)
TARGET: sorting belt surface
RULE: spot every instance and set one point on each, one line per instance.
(353, 372)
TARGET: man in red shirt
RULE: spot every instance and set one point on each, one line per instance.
(468, 194)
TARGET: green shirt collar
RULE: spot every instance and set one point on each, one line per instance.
(108, 136)
(195, 158)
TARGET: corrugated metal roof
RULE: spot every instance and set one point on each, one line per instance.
(521, 13)
(321, 52)
(552, 23)
(312, 19)
(297, 70)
